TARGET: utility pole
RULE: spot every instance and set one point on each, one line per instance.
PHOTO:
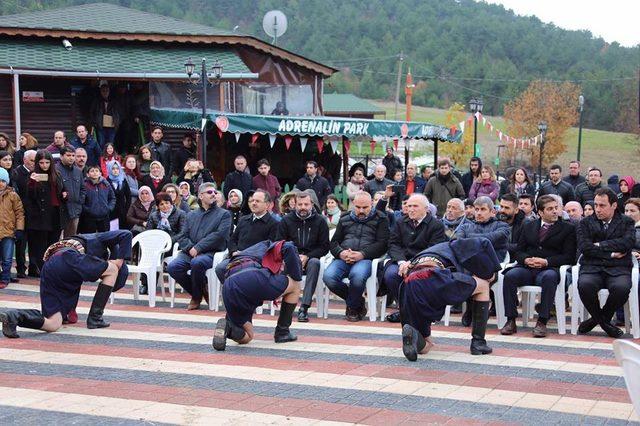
(398, 81)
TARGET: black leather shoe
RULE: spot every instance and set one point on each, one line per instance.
(284, 336)
(587, 325)
(509, 328)
(14, 280)
(21, 275)
(303, 316)
(611, 330)
(393, 317)
(220, 335)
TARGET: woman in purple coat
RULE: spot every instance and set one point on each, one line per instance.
(486, 185)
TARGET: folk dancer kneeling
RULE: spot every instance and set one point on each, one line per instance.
(264, 271)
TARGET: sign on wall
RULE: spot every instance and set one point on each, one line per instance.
(32, 96)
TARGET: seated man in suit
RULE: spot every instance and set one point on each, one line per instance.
(605, 240)
(544, 245)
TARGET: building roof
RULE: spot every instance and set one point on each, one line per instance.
(103, 21)
(102, 57)
(106, 18)
(347, 103)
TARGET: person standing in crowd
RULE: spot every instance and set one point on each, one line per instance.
(356, 183)
(519, 184)
(73, 185)
(6, 163)
(309, 232)
(574, 178)
(11, 226)
(426, 172)
(160, 151)
(586, 190)
(206, 232)
(485, 185)
(42, 204)
(139, 211)
(391, 163)
(118, 182)
(332, 211)
(99, 202)
(166, 217)
(195, 174)
(556, 185)
(234, 205)
(443, 187)
(413, 183)
(156, 179)
(475, 165)
(543, 246)
(605, 240)
(20, 177)
(453, 216)
(525, 205)
(59, 140)
(361, 236)
(174, 192)
(379, 181)
(574, 210)
(6, 144)
(266, 181)
(84, 140)
(132, 175)
(105, 115)
(109, 154)
(311, 180)
(187, 197)
(81, 161)
(144, 160)
(26, 143)
(239, 178)
(184, 153)
(625, 184)
(613, 182)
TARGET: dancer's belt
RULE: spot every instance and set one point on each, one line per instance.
(438, 263)
(238, 265)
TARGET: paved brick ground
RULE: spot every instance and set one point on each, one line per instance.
(157, 366)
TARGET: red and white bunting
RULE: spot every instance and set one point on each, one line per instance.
(272, 140)
(359, 146)
(334, 144)
(320, 145)
(347, 145)
(287, 141)
(303, 143)
(372, 146)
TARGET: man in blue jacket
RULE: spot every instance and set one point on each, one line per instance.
(206, 232)
(84, 140)
(73, 186)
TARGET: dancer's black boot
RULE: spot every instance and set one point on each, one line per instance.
(282, 334)
(226, 329)
(27, 318)
(466, 316)
(412, 342)
(94, 319)
(480, 315)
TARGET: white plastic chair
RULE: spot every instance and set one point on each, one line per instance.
(628, 356)
(213, 283)
(152, 243)
(631, 307)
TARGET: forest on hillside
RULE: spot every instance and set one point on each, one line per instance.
(455, 49)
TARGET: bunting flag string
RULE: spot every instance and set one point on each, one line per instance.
(372, 145)
(237, 135)
(334, 144)
(320, 145)
(287, 141)
(527, 142)
(272, 140)
(303, 143)
(347, 145)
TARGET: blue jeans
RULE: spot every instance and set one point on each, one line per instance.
(357, 273)
(6, 257)
(195, 282)
(105, 135)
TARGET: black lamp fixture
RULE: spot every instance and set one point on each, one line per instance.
(475, 105)
(542, 127)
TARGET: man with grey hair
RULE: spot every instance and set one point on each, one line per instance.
(206, 232)
(574, 210)
(453, 216)
(20, 178)
(415, 232)
(379, 181)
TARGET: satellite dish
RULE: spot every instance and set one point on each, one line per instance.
(274, 24)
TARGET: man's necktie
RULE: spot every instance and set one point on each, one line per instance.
(544, 229)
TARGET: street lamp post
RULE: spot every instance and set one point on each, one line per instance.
(542, 127)
(204, 80)
(475, 105)
(581, 103)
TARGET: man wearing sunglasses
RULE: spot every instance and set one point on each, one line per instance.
(206, 232)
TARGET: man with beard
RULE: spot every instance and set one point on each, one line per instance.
(265, 271)
(391, 163)
(585, 191)
(309, 232)
(443, 187)
(475, 165)
(555, 185)
(512, 216)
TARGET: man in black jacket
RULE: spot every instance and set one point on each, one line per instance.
(20, 178)
(543, 246)
(605, 240)
(361, 236)
(312, 180)
(160, 151)
(555, 185)
(73, 186)
(415, 232)
(511, 215)
(475, 165)
(391, 162)
(309, 232)
(258, 226)
(238, 179)
(574, 178)
(586, 190)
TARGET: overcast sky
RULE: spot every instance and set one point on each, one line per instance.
(613, 20)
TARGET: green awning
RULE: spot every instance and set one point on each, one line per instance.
(305, 126)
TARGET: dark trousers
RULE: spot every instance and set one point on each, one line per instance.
(312, 271)
(21, 255)
(392, 280)
(194, 282)
(590, 283)
(89, 225)
(38, 242)
(520, 276)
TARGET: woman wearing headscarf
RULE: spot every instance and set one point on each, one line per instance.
(234, 205)
(185, 193)
(138, 213)
(625, 184)
(356, 183)
(156, 179)
(166, 217)
(121, 189)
